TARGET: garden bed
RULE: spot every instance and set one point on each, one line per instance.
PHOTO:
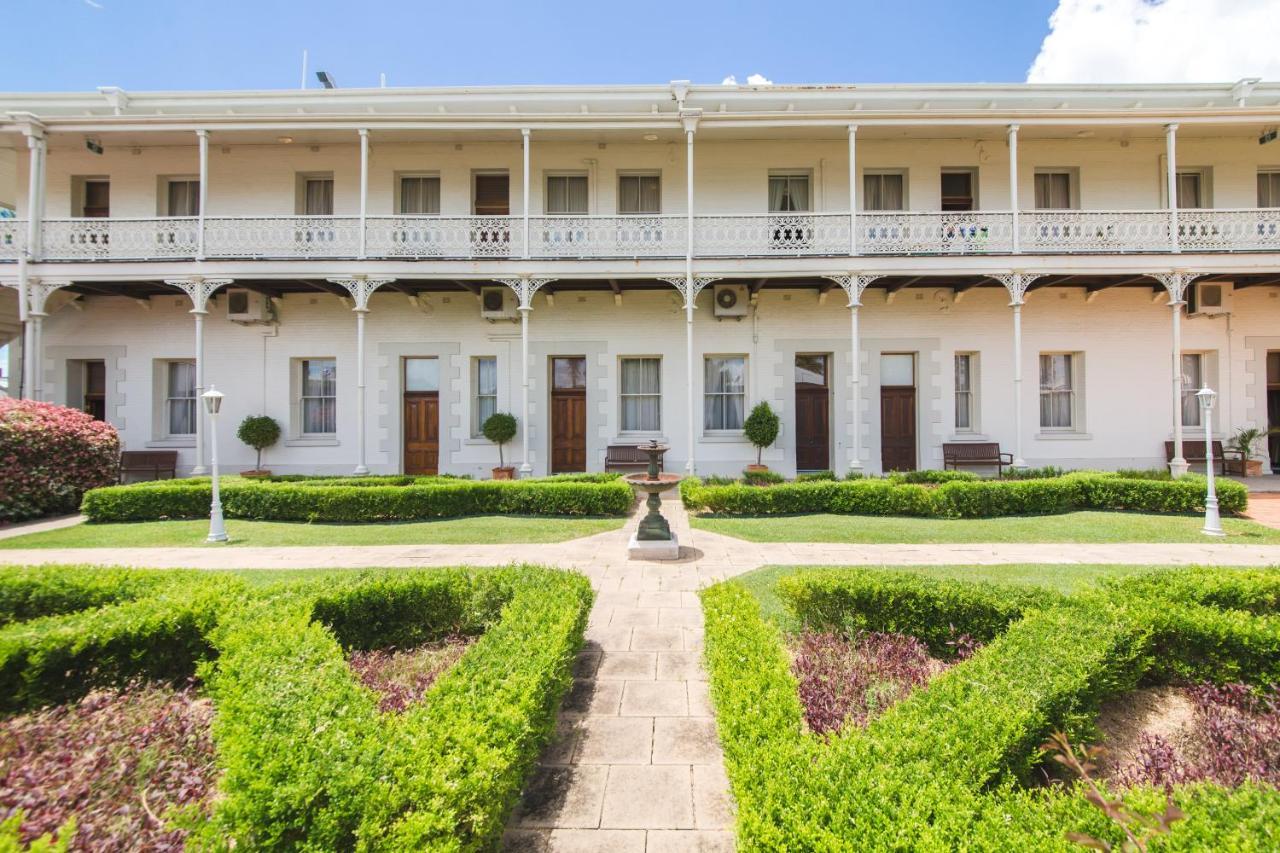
(321, 732)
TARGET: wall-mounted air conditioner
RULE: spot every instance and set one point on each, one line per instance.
(1209, 298)
(731, 301)
(497, 303)
(247, 306)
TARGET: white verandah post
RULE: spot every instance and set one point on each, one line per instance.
(525, 143)
(1013, 188)
(524, 289)
(202, 138)
(1017, 283)
(853, 190)
(1171, 161)
(361, 289)
(199, 290)
(364, 203)
(1176, 283)
(854, 285)
(35, 217)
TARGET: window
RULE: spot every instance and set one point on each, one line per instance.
(884, 191)
(1192, 381)
(789, 192)
(725, 394)
(1053, 190)
(1269, 188)
(490, 194)
(182, 197)
(1191, 189)
(966, 411)
(641, 394)
(1057, 391)
(319, 397)
(180, 397)
(639, 194)
(315, 195)
(957, 190)
(94, 195)
(566, 195)
(419, 194)
(484, 393)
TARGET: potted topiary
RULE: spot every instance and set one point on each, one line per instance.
(1244, 442)
(761, 430)
(500, 428)
(259, 432)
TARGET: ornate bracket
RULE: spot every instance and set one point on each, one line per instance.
(38, 292)
(525, 288)
(1017, 283)
(681, 283)
(1176, 282)
(854, 285)
(361, 289)
(198, 290)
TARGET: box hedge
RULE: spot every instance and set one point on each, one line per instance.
(29, 592)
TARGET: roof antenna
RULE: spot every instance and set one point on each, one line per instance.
(304, 69)
(326, 79)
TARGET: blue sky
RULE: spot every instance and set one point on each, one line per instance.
(59, 45)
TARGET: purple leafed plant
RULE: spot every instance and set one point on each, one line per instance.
(401, 678)
(851, 680)
(120, 761)
(1235, 737)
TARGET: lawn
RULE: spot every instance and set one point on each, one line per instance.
(471, 530)
(1085, 527)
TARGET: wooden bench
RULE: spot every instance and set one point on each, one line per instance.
(627, 457)
(152, 463)
(1226, 461)
(975, 453)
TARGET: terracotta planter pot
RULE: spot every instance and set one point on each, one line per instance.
(753, 468)
(256, 475)
(1253, 467)
(508, 473)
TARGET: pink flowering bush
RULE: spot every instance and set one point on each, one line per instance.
(50, 456)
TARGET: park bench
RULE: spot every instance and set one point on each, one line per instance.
(148, 464)
(975, 453)
(627, 457)
(1226, 461)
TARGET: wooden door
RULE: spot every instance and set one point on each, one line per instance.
(492, 196)
(898, 429)
(813, 413)
(95, 389)
(421, 416)
(97, 199)
(568, 414)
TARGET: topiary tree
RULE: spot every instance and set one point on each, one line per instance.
(762, 428)
(50, 456)
(500, 427)
(259, 432)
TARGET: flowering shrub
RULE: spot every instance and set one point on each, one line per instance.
(50, 456)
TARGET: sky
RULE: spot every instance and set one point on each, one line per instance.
(61, 45)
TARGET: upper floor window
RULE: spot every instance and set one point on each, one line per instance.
(639, 194)
(90, 197)
(958, 190)
(182, 197)
(490, 194)
(1193, 188)
(315, 195)
(789, 192)
(566, 195)
(884, 191)
(1053, 189)
(419, 194)
(1269, 188)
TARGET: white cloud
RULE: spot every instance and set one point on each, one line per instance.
(94, 4)
(1152, 41)
(729, 81)
(752, 80)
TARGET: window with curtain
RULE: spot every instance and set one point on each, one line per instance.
(566, 195)
(725, 392)
(1057, 391)
(319, 397)
(1190, 189)
(1269, 188)
(966, 363)
(184, 197)
(883, 191)
(641, 394)
(788, 193)
(317, 197)
(484, 395)
(420, 194)
(1192, 381)
(639, 194)
(180, 397)
(1053, 190)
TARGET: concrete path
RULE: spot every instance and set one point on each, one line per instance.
(22, 528)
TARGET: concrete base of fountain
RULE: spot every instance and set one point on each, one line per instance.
(653, 549)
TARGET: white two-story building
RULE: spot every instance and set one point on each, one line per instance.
(1055, 269)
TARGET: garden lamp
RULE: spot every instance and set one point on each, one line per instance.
(212, 404)
(1212, 521)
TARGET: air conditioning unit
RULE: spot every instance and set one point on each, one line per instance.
(497, 303)
(1209, 298)
(731, 300)
(246, 306)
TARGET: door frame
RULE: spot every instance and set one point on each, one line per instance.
(400, 408)
(550, 418)
(915, 389)
(829, 358)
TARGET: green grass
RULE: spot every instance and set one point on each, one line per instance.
(1089, 527)
(476, 530)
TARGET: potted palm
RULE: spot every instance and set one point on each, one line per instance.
(259, 432)
(761, 429)
(500, 428)
(1245, 442)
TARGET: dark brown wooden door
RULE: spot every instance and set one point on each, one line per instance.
(97, 199)
(568, 414)
(492, 195)
(813, 414)
(898, 429)
(421, 433)
(95, 389)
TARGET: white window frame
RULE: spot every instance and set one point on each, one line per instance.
(807, 175)
(973, 173)
(971, 394)
(623, 395)
(547, 177)
(169, 400)
(1073, 185)
(1076, 391)
(476, 422)
(300, 371)
(300, 189)
(1189, 389)
(399, 191)
(745, 394)
(1206, 183)
(162, 200)
(906, 189)
(1271, 172)
(639, 173)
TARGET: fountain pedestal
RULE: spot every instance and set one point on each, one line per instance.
(653, 539)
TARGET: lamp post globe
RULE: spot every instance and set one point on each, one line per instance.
(212, 405)
(1212, 520)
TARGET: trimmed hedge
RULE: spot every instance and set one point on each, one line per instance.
(29, 592)
(50, 456)
(945, 769)
(964, 497)
(367, 502)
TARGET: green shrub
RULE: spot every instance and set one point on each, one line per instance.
(29, 592)
(259, 432)
(499, 428)
(1144, 473)
(762, 478)
(931, 476)
(761, 427)
(50, 456)
(1045, 472)
(816, 476)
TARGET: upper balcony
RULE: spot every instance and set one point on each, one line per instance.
(901, 233)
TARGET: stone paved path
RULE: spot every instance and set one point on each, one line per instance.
(1264, 508)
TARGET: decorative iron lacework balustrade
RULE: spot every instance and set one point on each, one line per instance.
(642, 236)
(1229, 230)
(120, 239)
(912, 233)
(423, 237)
(774, 234)
(1084, 231)
(13, 238)
(282, 237)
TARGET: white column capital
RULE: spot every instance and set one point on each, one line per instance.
(202, 133)
(361, 288)
(198, 289)
(690, 286)
(525, 288)
(1176, 283)
(526, 132)
(1171, 127)
(362, 131)
(1013, 128)
(1017, 283)
(853, 285)
(689, 118)
(853, 129)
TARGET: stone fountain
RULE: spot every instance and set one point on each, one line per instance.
(653, 539)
